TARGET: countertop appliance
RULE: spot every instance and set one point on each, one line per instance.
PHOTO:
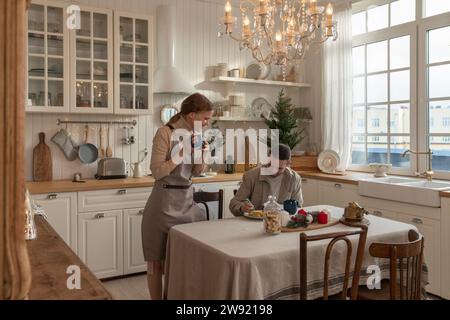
(112, 168)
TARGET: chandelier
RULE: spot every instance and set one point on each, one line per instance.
(280, 32)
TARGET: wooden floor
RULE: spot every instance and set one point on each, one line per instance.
(129, 288)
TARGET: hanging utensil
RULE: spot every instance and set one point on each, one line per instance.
(101, 148)
(109, 152)
(87, 152)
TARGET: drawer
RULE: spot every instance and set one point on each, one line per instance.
(338, 185)
(112, 199)
(382, 213)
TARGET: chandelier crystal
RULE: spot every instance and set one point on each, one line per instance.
(280, 32)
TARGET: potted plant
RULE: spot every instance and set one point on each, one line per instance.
(284, 118)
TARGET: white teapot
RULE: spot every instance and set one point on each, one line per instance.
(138, 170)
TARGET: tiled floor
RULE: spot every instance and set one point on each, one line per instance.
(135, 288)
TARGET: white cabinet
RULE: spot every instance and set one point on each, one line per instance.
(113, 199)
(337, 194)
(382, 213)
(445, 248)
(91, 56)
(100, 242)
(132, 242)
(310, 192)
(48, 62)
(431, 230)
(133, 56)
(228, 194)
(61, 210)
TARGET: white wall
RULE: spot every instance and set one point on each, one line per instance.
(197, 47)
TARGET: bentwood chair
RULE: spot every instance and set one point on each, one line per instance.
(334, 238)
(405, 264)
(203, 197)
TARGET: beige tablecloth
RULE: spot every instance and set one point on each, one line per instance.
(235, 259)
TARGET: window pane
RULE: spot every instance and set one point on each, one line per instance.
(377, 88)
(359, 60)
(441, 153)
(439, 78)
(398, 146)
(399, 85)
(377, 18)
(439, 45)
(359, 150)
(433, 7)
(377, 150)
(399, 52)
(358, 90)
(377, 119)
(377, 56)
(359, 119)
(439, 117)
(402, 11)
(359, 23)
(400, 118)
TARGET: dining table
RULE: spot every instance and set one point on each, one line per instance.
(235, 259)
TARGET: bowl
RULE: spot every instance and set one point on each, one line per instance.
(380, 169)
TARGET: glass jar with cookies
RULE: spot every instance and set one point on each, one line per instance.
(272, 216)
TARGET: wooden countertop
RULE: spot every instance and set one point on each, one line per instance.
(351, 177)
(49, 257)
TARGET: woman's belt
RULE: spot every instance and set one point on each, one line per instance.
(171, 186)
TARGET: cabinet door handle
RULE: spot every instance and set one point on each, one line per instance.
(141, 212)
(417, 221)
(52, 196)
(123, 191)
(378, 213)
(338, 185)
(99, 216)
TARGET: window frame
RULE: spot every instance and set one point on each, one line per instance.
(406, 29)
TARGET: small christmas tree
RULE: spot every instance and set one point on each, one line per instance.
(283, 118)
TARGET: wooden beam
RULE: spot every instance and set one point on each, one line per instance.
(15, 276)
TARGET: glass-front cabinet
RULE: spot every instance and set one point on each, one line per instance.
(92, 63)
(133, 64)
(48, 51)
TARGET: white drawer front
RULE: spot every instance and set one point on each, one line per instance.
(113, 199)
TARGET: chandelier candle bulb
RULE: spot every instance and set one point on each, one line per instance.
(329, 15)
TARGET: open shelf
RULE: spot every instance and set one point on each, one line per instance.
(247, 119)
(259, 82)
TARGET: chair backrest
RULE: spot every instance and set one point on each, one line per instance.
(204, 197)
(334, 237)
(405, 259)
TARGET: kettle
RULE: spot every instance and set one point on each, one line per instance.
(138, 170)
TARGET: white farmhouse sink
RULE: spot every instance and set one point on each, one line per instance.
(414, 191)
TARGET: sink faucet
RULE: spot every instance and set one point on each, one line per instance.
(429, 173)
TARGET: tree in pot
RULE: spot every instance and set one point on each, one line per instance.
(283, 118)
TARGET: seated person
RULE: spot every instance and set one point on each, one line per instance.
(255, 188)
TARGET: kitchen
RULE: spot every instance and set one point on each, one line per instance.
(112, 81)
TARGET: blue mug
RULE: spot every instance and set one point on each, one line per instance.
(291, 206)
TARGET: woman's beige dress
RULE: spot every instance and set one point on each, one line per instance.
(167, 207)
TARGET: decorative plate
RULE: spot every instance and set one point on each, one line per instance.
(328, 161)
(257, 71)
(261, 107)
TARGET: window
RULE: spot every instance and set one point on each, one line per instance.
(376, 123)
(394, 52)
(446, 121)
(360, 123)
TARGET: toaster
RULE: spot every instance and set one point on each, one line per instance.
(112, 168)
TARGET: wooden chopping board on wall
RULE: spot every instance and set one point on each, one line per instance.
(42, 161)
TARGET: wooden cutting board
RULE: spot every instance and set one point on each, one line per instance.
(42, 161)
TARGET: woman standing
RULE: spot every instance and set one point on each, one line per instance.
(171, 201)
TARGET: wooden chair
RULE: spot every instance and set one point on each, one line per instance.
(334, 237)
(405, 259)
(203, 197)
